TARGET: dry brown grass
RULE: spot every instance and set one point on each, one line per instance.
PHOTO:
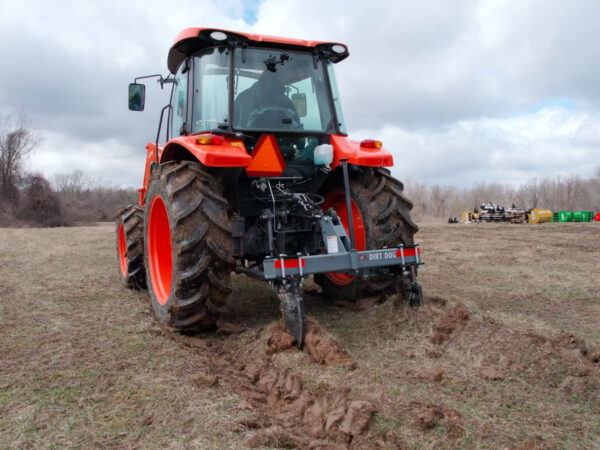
(83, 363)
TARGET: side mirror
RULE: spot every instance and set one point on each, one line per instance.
(137, 96)
(299, 101)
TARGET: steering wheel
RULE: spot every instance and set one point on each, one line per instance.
(274, 117)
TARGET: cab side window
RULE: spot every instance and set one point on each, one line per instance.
(179, 101)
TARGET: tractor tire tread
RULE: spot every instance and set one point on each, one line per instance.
(199, 220)
(194, 239)
(386, 215)
(132, 219)
(188, 209)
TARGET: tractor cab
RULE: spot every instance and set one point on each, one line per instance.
(227, 83)
(255, 91)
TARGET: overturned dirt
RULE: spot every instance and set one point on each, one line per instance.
(428, 416)
(448, 323)
(322, 348)
(504, 354)
(292, 415)
(285, 411)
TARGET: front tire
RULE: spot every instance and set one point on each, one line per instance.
(130, 246)
(187, 246)
(381, 217)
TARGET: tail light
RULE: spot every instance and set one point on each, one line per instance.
(209, 139)
(371, 144)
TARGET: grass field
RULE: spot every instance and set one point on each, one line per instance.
(505, 353)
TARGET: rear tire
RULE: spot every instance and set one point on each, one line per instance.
(187, 246)
(385, 213)
(130, 246)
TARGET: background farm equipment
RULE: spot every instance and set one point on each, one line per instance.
(257, 176)
(490, 212)
(575, 216)
(539, 215)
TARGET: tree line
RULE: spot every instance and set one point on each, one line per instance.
(68, 199)
(29, 199)
(572, 193)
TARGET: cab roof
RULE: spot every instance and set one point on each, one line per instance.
(192, 40)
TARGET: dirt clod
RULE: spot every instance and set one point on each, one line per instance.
(594, 355)
(279, 340)
(357, 417)
(325, 350)
(228, 327)
(449, 322)
(320, 347)
(431, 374)
(204, 380)
(428, 416)
(310, 287)
(491, 373)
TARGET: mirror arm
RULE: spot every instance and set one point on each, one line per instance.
(164, 81)
(160, 80)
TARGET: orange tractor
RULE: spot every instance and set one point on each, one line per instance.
(257, 176)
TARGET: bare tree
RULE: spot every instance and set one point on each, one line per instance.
(417, 193)
(73, 184)
(529, 194)
(17, 139)
(578, 196)
(440, 197)
(40, 205)
(85, 199)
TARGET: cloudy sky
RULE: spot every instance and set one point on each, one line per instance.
(460, 92)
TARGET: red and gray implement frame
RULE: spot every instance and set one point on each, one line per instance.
(404, 256)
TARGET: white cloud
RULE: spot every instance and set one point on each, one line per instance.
(107, 159)
(553, 141)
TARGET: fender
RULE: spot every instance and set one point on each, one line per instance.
(224, 152)
(344, 148)
(150, 158)
(209, 149)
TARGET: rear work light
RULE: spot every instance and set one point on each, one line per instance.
(209, 139)
(218, 35)
(371, 144)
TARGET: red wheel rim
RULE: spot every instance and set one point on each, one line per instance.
(160, 259)
(337, 201)
(122, 250)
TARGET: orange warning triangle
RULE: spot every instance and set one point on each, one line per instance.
(266, 158)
